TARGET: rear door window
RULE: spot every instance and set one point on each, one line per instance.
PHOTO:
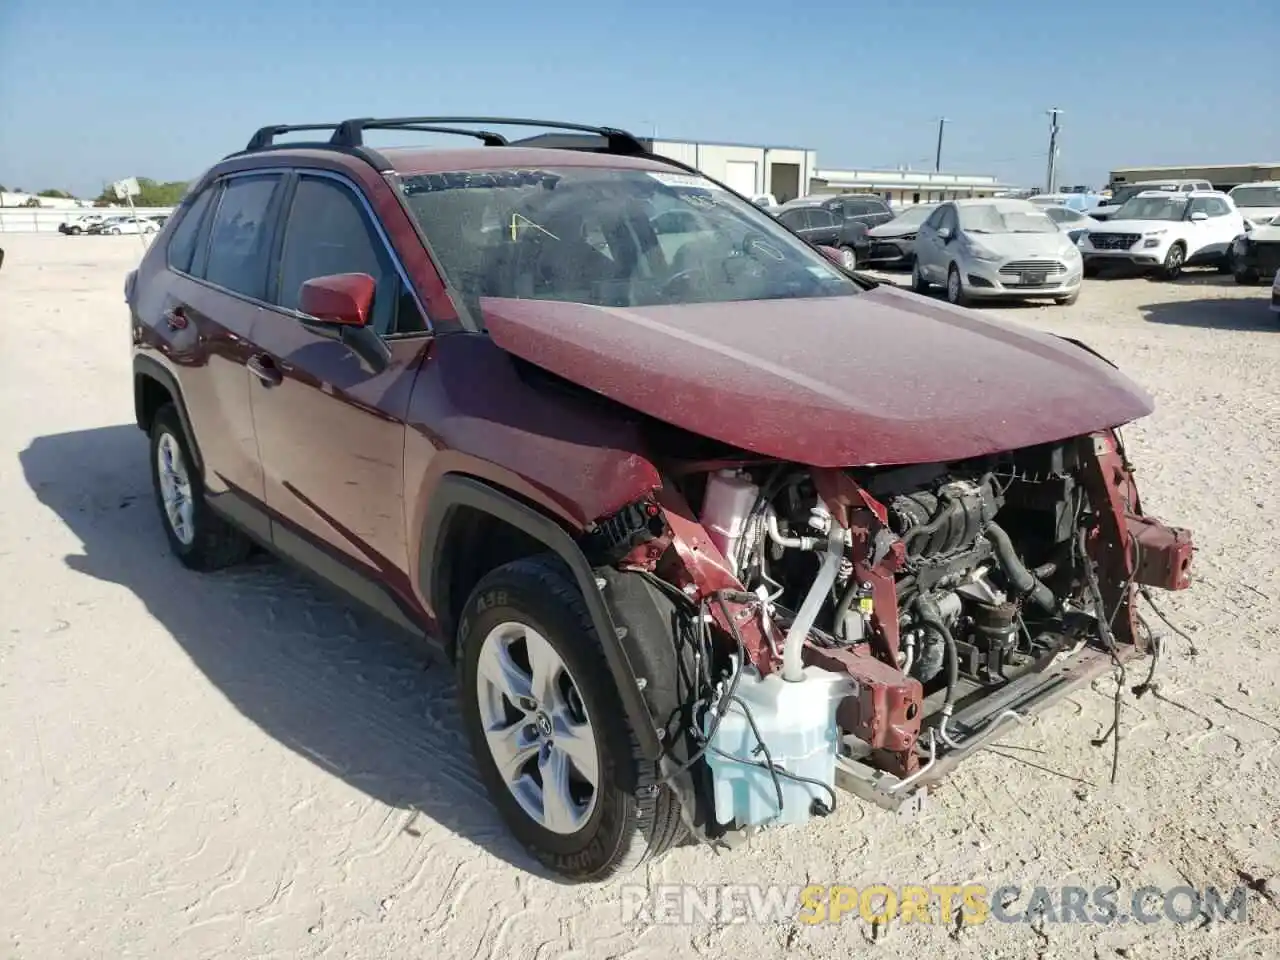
(241, 234)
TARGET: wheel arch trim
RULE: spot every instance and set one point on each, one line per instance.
(458, 491)
(144, 366)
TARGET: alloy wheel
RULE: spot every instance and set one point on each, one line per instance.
(953, 286)
(848, 259)
(537, 728)
(175, 489)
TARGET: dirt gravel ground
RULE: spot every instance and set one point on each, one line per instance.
(244, 765)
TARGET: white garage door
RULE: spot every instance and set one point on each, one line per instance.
(741, 176)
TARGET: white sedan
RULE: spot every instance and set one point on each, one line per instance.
(130, 225)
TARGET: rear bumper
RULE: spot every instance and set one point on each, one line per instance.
(889, 252)
(973, 727)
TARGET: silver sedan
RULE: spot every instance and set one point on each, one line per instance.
(996, 248)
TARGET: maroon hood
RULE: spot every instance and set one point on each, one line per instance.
(877, 378)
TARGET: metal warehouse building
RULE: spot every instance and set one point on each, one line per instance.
(790, 172)
(750, 170)
(1223, 176)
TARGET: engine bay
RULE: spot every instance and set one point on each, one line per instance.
(925, 590)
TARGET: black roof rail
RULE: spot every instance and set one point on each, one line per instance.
(266, 136)
(350, 133)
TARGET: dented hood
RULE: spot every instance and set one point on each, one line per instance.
(881, 377)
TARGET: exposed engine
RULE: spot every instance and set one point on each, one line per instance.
(977, 545)
(883, 617)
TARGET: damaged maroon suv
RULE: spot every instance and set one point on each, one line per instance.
(715, 531)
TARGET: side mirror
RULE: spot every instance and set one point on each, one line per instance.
(945, 234)
(1199, 215)
(344, 299)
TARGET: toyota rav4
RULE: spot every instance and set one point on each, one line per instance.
(715, 530)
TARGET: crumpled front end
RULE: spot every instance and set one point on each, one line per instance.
(920, 609)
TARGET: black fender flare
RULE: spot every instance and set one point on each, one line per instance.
(144, 366)
(461, 491)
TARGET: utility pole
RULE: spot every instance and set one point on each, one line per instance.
(937, 160)
(1051, 184)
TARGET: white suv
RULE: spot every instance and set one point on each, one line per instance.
(1167, 231)
(1259, 202)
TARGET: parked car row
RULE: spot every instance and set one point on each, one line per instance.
(840, 221)
(1011, 247)
(95, 223)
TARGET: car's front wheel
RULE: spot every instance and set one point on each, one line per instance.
(541, 711)
(918, 283)
(197, 536)
(74, 231)
(848, 258)
(955, 288)
(1171, 269)
(114, 231)
(1245, 276)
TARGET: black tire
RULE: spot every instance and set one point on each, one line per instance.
(955, 288)
(918, 283)
(1246, 276)
(1227, 263)
(1171, 269)
(1091, 269)
(74, 231)
(1067, 300)
(214, 544)
(635, 818)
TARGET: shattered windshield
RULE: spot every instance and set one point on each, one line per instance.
(607, 237)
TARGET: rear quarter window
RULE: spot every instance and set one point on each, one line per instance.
(182, 243)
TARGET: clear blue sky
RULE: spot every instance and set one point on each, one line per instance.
(101, 89)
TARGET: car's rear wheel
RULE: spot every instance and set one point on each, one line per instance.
(114, 231)
(541, 711)
(74, 231)
(1245, 276)
(955, 288)
(197, 536)
(1171, 269)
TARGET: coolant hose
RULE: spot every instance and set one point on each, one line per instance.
(844, 606)
(930, 616)
(793, 652)
(1022, 579)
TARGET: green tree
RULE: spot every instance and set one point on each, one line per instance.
(152, 193)
(57, 194)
